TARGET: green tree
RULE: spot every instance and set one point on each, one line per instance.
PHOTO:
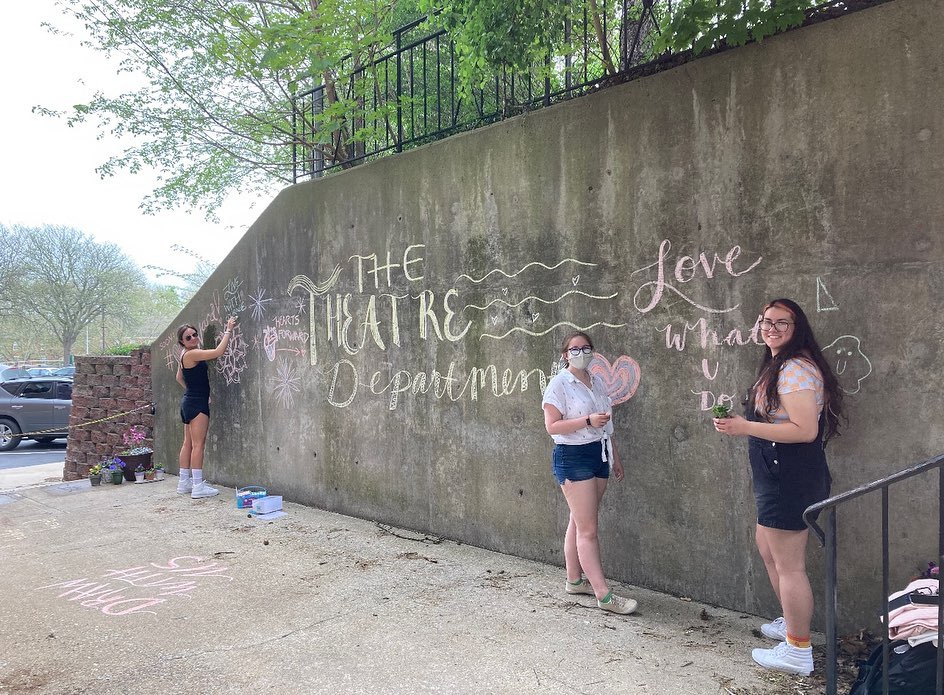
(65, 280)
(213, 112)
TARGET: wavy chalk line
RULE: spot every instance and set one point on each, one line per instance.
(518, 272)
(556, 325)
(537, 299)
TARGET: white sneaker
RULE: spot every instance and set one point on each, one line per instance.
(582, 587)
(617, 604)
(201, 489)
(775, 630)
(185, 487)
(785, 657)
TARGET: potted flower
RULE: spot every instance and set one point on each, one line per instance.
(135, 453)
(113, 467)
(139, 474)
(158, 471)
(149, 474)
(95, 474)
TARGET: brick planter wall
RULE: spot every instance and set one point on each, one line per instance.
(104, 387)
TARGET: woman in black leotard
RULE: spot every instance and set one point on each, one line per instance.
(195, 407)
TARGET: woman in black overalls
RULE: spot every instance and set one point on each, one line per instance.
(793, 408)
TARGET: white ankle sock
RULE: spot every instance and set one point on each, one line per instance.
(197, 476)
(184, 475)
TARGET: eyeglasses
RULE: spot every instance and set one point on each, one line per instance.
(192, 336)
(780, 324)
(586, 349)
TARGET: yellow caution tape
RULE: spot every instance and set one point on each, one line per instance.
(30, 435)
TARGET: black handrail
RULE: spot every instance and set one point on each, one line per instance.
(828, 538)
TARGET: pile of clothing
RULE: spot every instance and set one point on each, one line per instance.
(912, 613)
(912, 647)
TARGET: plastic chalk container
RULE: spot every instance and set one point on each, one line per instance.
(246, 495)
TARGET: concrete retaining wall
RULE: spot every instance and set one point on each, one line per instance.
(398, 321)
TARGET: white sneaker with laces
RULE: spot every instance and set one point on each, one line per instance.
(185, 487)
(201, 489)
(617, 604)
(583, 587)
(785, 657)
(776, 629)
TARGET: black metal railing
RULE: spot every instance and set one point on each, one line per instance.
(828, 539)
(408, 93)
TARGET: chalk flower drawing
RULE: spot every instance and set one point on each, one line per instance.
(285, 384)
(258, 304)
(233, 361)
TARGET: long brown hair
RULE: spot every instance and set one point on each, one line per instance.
(802, 345)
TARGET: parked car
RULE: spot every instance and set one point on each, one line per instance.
(7, 372)
(65, 371)
(40, 371)
(37, 404)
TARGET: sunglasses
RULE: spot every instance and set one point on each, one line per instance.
(192, 336)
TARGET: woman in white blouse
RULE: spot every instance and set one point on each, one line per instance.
(577, 415)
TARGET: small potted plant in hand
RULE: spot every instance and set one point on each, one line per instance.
(721, 410)
(135, 452)
(139, 474)
(95, 474)
(113, 467)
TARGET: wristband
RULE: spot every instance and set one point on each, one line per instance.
(589, 424)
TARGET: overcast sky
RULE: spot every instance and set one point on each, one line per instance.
(48, 172)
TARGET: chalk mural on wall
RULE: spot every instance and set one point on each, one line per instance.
(141, 588)
(712, 333)
(349, 336)
(531, 311)
(372, 319)
(850, 365)
(704, 336)
(221, 307)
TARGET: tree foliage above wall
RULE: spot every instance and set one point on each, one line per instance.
(212, 112)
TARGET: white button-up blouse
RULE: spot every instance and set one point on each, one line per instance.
(573, 399)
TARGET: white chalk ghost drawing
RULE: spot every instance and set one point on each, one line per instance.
(850, 365)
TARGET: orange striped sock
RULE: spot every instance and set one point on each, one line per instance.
(801, 642)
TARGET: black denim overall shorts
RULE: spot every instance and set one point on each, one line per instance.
(788, 478)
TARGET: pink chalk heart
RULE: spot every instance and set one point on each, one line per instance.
(620, 378)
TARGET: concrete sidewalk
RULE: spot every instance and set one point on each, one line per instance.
(134, 589)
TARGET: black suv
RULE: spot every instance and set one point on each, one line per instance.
(39, 408)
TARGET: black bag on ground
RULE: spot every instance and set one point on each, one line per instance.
(910, 673)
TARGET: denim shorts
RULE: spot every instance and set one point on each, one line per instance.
(578, 462)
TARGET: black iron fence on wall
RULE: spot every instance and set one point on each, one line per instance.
(409, 93)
